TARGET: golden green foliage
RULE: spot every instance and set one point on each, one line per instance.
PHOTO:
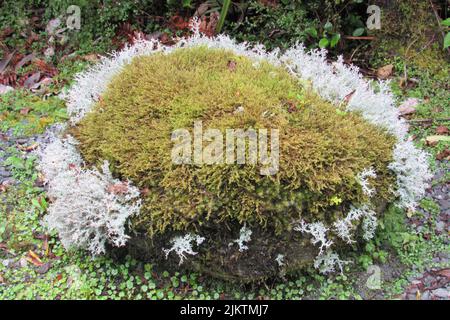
(322, 149)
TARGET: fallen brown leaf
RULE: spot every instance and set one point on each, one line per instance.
(90, 57)
(406, 110)
(34, 259)
(385, 72)
(24, 111)
(442, 130)
(44, 268)
(445, 154)
(3, 188)
(27, 59)
(444, 273)
(434, 140)
(29, 148)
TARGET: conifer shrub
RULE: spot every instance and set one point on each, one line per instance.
(342, 157)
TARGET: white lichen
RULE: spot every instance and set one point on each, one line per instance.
(344, 228)
(411, 168)
(364, 182)
(183, 246)
(369, 225)
(328, 262)
(280, 260)
(244, 236)
(318, 231)
(89, 208)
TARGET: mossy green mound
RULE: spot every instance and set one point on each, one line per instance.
(322, 149)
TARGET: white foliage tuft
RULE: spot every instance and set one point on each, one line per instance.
(344, 227)
(411, 167)
(280, 260)
(244, 236)
(318, 231)
(183, 246)
(369, 225)
(85, 210)
(328, 261)
(364, 182)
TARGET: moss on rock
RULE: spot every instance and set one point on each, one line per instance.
(322, 148)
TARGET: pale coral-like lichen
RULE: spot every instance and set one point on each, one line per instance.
(88, 209)
(318, 232)
(183, 246)
(244, 236)
(364, 182)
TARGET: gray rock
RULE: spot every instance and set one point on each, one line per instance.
(441, 293)
(426, 295)
(445, 204)
(4, 89)
(5, 173)
(440, 226)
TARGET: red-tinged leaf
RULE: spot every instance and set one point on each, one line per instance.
(24, 111)
(58, 277)
(6, 32)
(8, 78)
(444, 154)
(231, 65)
(444, 273)
(118, 188)
(348, 97)
(178, 23)
(3, 188)
(442, 130)
(45, 68)
(145, 191)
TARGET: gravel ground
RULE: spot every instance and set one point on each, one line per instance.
(434, 284)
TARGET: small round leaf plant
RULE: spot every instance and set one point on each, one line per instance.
(343, 156)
